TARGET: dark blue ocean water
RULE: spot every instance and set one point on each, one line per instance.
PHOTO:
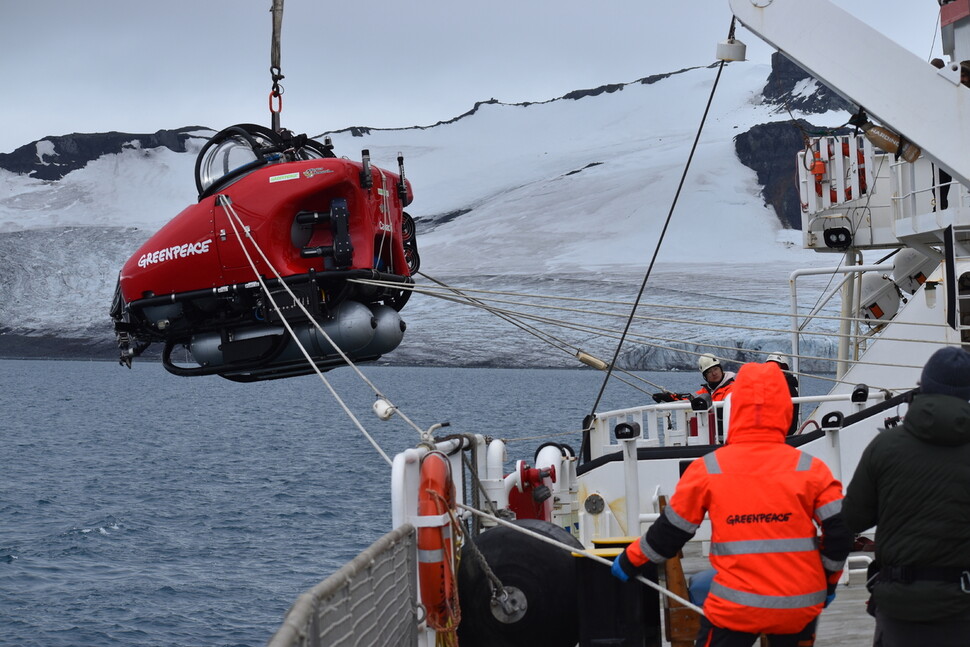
(139, 508)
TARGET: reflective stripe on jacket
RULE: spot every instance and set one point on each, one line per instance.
(764, 499)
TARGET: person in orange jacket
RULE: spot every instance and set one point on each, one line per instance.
(717, 382)
(717, 385)
(766, 501)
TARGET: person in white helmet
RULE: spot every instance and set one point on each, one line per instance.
(717, 385)
(717, 381)
(782, 362)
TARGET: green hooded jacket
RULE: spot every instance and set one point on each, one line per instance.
(913, 484)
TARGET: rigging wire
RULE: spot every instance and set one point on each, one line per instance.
(605, 332)
(581, 551)
(232, 221)
(663, 233)
(433, 291)
(479, 302)
(316, 324)
(641, 338)
(936, 30)
(510, 315)
(461, 297)
(506, 315)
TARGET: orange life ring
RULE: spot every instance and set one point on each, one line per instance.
(818, 170)
(436, 547)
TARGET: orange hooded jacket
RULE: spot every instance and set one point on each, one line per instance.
(764, 499)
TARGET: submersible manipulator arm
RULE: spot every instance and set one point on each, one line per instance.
(928, 107)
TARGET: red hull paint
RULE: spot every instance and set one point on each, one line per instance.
(198, 249)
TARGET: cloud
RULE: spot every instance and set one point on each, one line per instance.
(140, 67)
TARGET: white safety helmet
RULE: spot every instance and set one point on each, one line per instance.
(707, 361)
(778, 358)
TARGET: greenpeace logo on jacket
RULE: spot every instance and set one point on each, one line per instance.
(764, 517)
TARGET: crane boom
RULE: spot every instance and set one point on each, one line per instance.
(927, 106)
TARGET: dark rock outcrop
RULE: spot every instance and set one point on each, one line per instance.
(785, 87)
(54, 157)
(432, 222)
(594, 92)
(575, 95)
(770, 149)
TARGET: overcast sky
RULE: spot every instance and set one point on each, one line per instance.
(137, 66)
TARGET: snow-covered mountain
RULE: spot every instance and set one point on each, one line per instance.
(566, 196)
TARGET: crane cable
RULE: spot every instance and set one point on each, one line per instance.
(276, 74)
(663, 233)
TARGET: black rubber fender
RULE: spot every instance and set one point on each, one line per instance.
(544, 573)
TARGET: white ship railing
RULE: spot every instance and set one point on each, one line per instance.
(848, 172)
(661, 425)
(669, 424)
(372, 600)
(917, 189)
(849, 188)
(622, 486)
(850, 337)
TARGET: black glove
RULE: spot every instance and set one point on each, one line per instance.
(700, 402)
(831, 585)
(663, 396)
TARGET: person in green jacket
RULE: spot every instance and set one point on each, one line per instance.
(913, 484)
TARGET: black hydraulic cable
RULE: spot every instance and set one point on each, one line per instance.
(663, 232)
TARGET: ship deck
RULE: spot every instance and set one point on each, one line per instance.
(845, 622)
